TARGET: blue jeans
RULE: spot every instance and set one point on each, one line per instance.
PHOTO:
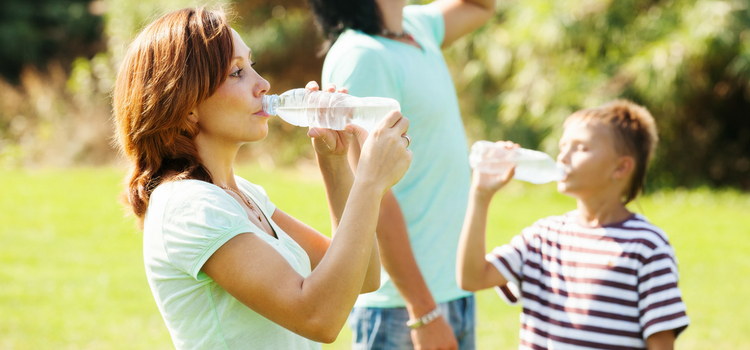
(385, 328)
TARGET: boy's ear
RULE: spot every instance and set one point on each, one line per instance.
(625, 166)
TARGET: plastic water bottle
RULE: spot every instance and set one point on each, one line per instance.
(531, 166)
(330, 110)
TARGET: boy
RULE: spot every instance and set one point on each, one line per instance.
(597, 277)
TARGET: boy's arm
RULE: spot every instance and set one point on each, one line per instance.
(663, 340)
(473, 272)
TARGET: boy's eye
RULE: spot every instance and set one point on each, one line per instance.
(237, 73)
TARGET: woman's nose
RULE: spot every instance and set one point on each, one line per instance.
(261, 86)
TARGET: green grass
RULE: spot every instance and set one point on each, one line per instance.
(72, 273)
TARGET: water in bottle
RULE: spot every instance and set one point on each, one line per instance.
(331, 110)
(531, 166)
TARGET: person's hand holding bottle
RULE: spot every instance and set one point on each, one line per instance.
(384, 158)
(333, 143)
(487, 184)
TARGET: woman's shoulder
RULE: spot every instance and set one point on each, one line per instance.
(254, 189)
(184, 190)
(183, 202)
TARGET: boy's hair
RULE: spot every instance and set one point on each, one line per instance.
(635, 135)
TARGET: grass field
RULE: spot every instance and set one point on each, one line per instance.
(72, 272)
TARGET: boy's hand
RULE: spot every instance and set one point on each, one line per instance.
(488, 184)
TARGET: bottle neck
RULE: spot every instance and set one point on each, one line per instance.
(270, 104)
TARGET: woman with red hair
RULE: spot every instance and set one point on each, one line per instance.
(226, 267)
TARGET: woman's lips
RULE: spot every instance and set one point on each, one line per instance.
(262, 113)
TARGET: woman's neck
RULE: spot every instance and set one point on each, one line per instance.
(600, 211)
(218, 158)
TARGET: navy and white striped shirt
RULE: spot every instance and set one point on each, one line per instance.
(608, 287)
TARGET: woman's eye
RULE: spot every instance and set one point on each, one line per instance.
(252, 64)
(237, 73)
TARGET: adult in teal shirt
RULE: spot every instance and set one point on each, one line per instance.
(384, 48)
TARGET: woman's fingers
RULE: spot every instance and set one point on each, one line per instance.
(390, 120)
(312, 86)
(359, 132)
(401, 125)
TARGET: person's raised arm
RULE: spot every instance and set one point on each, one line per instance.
(398, 260)
(463, 17)
(318, 305)
(473, 272)
(331, 152)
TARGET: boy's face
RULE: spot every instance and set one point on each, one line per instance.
(587, 151)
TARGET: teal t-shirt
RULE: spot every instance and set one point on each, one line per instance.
(434, 192)
(186, 222)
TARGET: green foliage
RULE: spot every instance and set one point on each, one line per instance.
(73, 277)
(33, 32)
(687, 61)
(517, 77)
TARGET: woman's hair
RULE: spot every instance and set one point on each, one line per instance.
(174, 64)
(334, 16)
(634, 133)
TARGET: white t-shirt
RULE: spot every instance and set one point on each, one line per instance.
(186, 222)
(607, 287)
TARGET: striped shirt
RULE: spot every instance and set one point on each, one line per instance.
(608, 287)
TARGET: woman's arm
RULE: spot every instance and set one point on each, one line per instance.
(399, 261)
(463, 17)
(318, 305)
(338, 180)
(331, 153)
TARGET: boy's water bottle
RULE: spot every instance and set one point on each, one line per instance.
(331, 110)
(531, 166)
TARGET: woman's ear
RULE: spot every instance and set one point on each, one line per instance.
(193, 117)
(625, 166)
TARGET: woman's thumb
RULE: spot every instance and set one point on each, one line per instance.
(359, 132)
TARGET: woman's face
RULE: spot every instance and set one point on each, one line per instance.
(588, 154)
(234, 113)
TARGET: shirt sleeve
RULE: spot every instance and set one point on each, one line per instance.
(509, 259)
(197, 221)
(428, 19)
(660, 300)
(366, 72)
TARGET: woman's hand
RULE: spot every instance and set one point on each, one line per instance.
(385, 158)
(333, 143)
(488, 184)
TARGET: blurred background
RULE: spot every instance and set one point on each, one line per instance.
(73, 275)
(518, 77)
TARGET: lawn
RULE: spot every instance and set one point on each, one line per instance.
(72, 273)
